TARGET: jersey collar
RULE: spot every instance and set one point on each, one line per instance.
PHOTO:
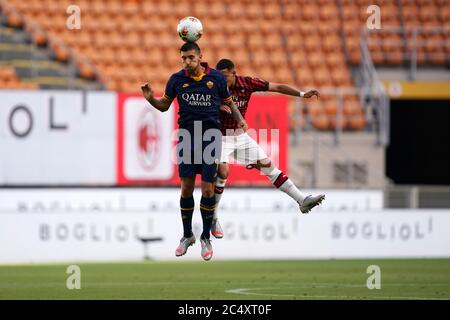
(200, 77)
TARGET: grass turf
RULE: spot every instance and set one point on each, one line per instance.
(287, 280)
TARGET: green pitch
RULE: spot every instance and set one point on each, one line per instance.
(303, 279)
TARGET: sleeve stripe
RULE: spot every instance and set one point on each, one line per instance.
(166, 96)
(228, 99)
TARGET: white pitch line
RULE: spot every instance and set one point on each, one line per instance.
(245, 291)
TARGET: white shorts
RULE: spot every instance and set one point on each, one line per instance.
(241, 148)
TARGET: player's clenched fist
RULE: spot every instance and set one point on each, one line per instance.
(147, 91)
(311, 93)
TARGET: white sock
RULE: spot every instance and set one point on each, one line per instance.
(220, 184)
(283, 183)
(291, 190)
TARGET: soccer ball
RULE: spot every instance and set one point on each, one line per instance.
(190, 29)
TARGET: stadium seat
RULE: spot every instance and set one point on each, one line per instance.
(315, 60)
(321, 121)
(335, 59)
(283, 74)
(330, 107)
(14, 19)
(315, 108)
(351, 108)
(337, 122)
(321, 76)
(332, 43)
(278, 58)
(356, 122)
(39, 38)
(236, 10)
(271, 11)
(10, 80)
(61, 52)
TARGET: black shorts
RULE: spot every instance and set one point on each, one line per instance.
(199, 153)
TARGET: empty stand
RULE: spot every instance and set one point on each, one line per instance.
(310, 44)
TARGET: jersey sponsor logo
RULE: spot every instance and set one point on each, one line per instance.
(197, 99)
(210, 84)
(239, 102)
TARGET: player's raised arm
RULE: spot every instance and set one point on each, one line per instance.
(288, 90)
(162, 104)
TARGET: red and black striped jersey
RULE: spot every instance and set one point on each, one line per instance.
(241, 92)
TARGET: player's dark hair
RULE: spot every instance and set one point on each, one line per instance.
(190, 46)
(225, 64)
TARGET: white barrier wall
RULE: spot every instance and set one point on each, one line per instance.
(167, 199)
(57, 137)
(51, 237)
(104, 225)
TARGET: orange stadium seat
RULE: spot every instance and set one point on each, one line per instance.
(235, 10)
(298, 58)
(291, 11)
(332, 43)
(337, 122)
(39, 38)
(304, 76)
(278, 58)
(321, 122)
(321, 76)
(8, 73)
(86, 71)
(14, 19)
(309, 12)
(328, 11)
(341, 77)
(10, 80)
(326, 29)
(315, 108)
(265, 72)
(294, 42)
(283, 74)
(356, 122)
(253, 10)
(316, 60)
(351, 108)
(330, 107)
(271, 11)
(335, 59)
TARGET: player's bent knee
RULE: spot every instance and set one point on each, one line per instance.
(223, 171)
(265, 163)
(265, 166)
(223, 175)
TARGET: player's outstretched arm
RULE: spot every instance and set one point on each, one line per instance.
(162, 104)
(285, 89)
(237, 115)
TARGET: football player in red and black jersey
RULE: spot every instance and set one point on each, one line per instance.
(244, 149)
